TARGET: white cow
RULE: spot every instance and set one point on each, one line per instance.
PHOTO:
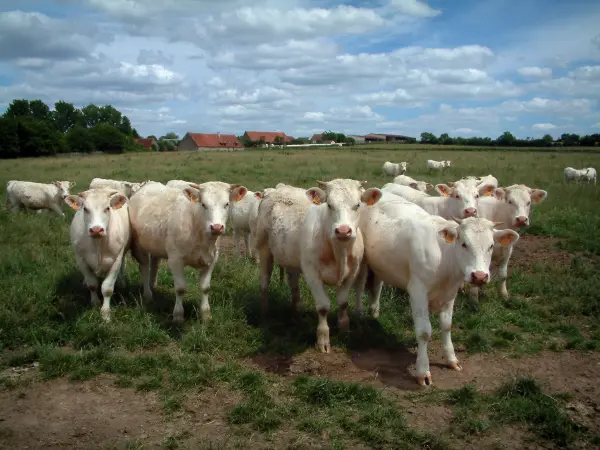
(437, 165)
(179, 184)
(509, 207)
(393, 169)
(124, 187)
(240, 215)
(182, 226)
(458, 201)
(590, 174)
(100, 236)
(571, 174)
(405, 180)
(37, 196)
(479, 181)
(332, 246)
(429, 257)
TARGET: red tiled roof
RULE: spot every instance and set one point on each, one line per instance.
(268, 136)
(215, 140)
(146, 142)
(289, 139)
(316, 137)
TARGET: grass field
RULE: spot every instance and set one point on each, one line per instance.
(530, 362)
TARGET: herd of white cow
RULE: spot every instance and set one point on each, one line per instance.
(338, 233)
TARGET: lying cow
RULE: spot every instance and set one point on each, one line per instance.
(100, 236)
(29, 195)
(405, 180)
(184, 227)
(126, 188)
(429, 257)
(393, 169)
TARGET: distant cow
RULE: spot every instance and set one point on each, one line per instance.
(124, 187)
(430, 258)
(437, 165)
(571, 174)
(394, 169)
(590, 175)
(37, 196)
(184, 227)
(100, 236)
(405, 180)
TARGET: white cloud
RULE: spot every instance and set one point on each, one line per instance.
(544, 126)
(535, 72)
(464, 130)
(414, 8)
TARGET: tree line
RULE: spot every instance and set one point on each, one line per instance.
(30, 128)
(507, 139)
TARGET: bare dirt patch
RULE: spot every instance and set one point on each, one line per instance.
(533, 249)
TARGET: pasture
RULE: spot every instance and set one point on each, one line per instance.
(530, 363)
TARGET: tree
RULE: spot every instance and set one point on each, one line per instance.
(38, 138)
(171, 135)
(547, 140)
(18, 108)
(125, 126)
(135, 134)
(506, 138)
(110, 116)
(350, 141)
(445, 139)
(108, 138)
(66, 116)
(569, 140)
(428, 138)
(39, 110)
(80, 139)
(9, 138)
(279, 140)
(91, 115)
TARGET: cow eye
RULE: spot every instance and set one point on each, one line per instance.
(227, 205)
(476, 195)
(458, 196)
(204, 206)
(329, 206)
(86, 210)
(106, 210)
(491, 248)
(528, 203)
(464, 245)
(357, 206)
(510, 202)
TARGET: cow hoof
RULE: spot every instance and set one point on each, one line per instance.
(344, 324)
(425, 380)
(178, 319)
(323, 343)
(206, 316)
(454, 365)
(105, 313)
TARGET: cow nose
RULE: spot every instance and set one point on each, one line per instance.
(478, 278)
(343, 232)
(96, 231)
(521, 220)
(217, 228)
(470, 212)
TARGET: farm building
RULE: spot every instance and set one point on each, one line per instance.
(268, 137)
(148, 143)
(357, 139)
(316, 138)
(208, 142)
(386, 138)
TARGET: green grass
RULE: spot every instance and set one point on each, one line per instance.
(46, 315)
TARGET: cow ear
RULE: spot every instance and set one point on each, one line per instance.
(499, 193)
(449, 234)
(117, 201)
(486, 190)
(74, 201)
(237, 192)
(451, 183)
(444, 190)
(413, 185)
(371, 196)
(538, 196)
(428, 186)
(505, 237)
(258, 195)
(56, 183)
(316, 195)
(72, 184)
(193, 195)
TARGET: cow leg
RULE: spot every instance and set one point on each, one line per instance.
(323, 305)
(247, 242)
(54, 207)
(446, 325)
(359, 287)
(154, 266)
(266, 268)
(503, 269)
(342, 296)
(420, 314)
(293, 281)
(236, 242)
(205, 276)
(90, 279)
(143, 259)
(108, 286)
(374, 286)
(176, 266)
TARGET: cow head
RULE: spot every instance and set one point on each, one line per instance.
(97, 206)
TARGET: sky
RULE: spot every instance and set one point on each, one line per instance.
(466, 68)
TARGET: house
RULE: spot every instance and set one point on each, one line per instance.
(208, 142)
(268, 137)
(316, 138)
(148, 143)
(374, 138)
(387, 138)
(357, 139)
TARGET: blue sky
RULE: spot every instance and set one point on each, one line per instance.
(467, 68)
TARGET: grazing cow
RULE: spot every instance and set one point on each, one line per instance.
(479, 181)
(458, 201)
(184, 227)
(509, 207)
(590, 175)
(571, 174)
(394, 169)
(437, 165)
(179, 184)
(405, 180)
(429, 257)
(126, 188)
(100, 236)
(239, 214)
(37, 196)
(332, 247)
